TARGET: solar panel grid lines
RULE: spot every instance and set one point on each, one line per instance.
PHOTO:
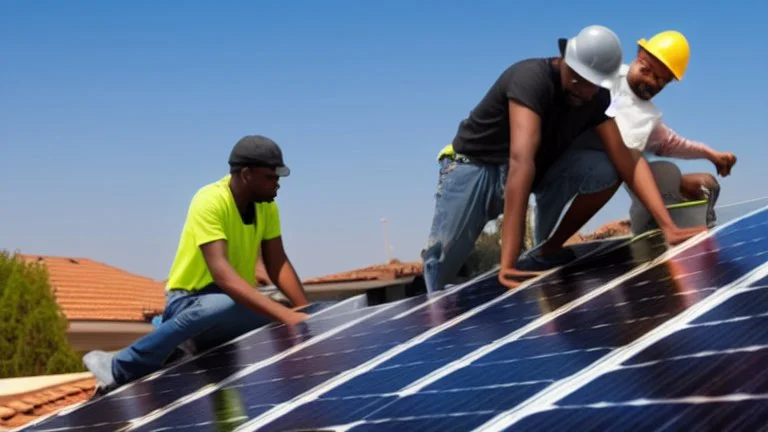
(596, 247)
(556, 394)
(389, 415)
(471, 357)
(709, 373)
(343, 307)
(408, 303)
(204, 407)
(403, 350)
(253, 390)
(321, 311)
(399, 375)
(144, 397)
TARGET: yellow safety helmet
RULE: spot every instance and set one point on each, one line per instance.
(671, 48)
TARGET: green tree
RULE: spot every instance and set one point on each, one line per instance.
(33, 334)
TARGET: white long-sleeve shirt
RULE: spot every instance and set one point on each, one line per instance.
(641, 127)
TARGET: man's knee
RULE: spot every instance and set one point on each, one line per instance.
(697, 186)
(598, 173)
(206, 309)
(582, 172)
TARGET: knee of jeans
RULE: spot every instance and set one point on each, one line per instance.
(205, 311)
(602, 175)
(433, 251)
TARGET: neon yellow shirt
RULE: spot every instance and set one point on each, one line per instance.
(212, 216)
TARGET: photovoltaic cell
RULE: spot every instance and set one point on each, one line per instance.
(348, 349)
(148, 394)
(715, 360)
(579, 338)
(523, 344)
(502, 318)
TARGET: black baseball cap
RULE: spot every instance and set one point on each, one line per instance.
(258, 150)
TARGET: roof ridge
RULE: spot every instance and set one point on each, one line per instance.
(91, 260)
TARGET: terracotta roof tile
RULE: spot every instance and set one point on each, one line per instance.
(6, 413)
(18, 412)
(90, 290)
(393, 270)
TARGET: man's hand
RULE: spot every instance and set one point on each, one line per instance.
(226, 278)
(723, 161)
(511, 277)
(293, 318)
(675, 235)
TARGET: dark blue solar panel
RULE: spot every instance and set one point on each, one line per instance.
(444, 423)
(352, 347)
(733, 416)
(147, 395)
(500, 319)
(679, 366)
(746, 304)
(721, 353)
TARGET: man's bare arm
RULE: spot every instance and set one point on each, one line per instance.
(634, 170)
(281, 271)
(215, 254)
(524, 137)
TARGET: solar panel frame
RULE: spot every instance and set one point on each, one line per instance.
(596, 246)
(446, 418)
(545, 401)
(684, 251)
(265, 421)
(145, 385)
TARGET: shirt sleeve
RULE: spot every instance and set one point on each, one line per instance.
(272, 228)
(663, 141)
(530, 87)
(205, 218)
(603, 110)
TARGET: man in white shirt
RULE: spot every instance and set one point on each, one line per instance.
(659, 61)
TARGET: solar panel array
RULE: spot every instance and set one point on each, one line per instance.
(633, 335)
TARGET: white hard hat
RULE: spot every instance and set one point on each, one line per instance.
(595, 54)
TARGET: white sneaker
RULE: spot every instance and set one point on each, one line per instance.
(99, 363)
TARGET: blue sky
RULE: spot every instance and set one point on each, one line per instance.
(114, 113)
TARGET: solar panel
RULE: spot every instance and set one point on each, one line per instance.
(630, 334)
(158, 390)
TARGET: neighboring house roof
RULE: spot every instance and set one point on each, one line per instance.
(90, 290)
(395, 269)
(390, 271)
(20, 409)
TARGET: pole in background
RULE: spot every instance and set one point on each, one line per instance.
(387, 247)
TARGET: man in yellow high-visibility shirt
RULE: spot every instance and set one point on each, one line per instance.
(211, 293)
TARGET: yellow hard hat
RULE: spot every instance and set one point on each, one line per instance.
(671, 48)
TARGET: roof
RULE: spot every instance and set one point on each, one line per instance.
(21, 409)
(90, 290)
(392, 270)
(396, 269)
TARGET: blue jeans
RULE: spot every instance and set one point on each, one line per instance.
(469, 195)
(208, 318)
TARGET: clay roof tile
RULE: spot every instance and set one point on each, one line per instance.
(90, 290)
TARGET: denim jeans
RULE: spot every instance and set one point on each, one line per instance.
(469, 195)
(208, 318)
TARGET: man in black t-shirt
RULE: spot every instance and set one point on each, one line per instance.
(525, 123)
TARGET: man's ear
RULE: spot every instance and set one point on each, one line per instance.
(245, 174)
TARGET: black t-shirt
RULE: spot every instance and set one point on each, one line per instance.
(534, 83)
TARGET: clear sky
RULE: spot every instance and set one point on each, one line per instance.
(112, 114)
